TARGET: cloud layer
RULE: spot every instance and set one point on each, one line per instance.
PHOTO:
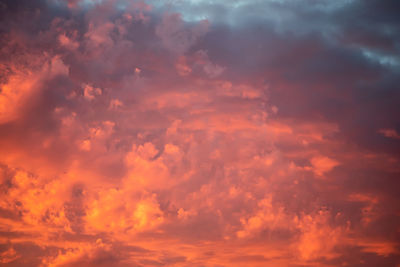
(199, 133)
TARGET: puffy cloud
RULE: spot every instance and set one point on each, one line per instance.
(323, 164)
(134, 133)
(9, 255)
(175, 35)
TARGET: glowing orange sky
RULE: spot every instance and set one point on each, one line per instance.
(191, 133)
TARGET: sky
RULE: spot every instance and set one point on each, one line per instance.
(201, 133)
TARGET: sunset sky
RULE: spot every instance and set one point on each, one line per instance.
(199, 133)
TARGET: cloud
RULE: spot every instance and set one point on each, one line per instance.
(323, 164)
(389, 133)
(199, 134)
(175, 36)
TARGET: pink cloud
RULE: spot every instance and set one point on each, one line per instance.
(129, 137)
(389, 133)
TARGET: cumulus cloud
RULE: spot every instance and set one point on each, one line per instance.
(198, 133)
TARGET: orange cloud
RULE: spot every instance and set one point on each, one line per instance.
(132, 136)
